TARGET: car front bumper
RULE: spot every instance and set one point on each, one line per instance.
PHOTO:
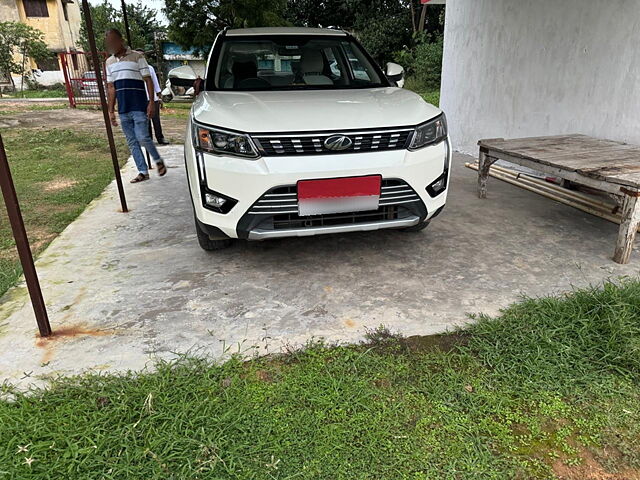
(247, 180)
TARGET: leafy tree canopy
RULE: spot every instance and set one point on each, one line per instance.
(17, 39)
(383, 26)
(195, 23)
(143, 23)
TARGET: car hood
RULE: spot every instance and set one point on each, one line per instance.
(310, 110)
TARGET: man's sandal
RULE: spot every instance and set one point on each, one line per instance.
(162, 169)
(140, 178)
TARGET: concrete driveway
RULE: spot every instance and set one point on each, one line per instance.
(123, 289)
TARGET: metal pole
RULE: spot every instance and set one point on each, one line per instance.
(67, 81)
(24, 47)
(157, 47)
(126, 24)
(22, 244)
(103, 102)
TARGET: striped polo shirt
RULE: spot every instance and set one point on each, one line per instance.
(127, 75)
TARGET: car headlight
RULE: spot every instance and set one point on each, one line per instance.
(221, 141)
(429, 133)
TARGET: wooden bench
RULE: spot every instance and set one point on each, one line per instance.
(612, 167)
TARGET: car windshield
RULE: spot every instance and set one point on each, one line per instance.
(292, 62)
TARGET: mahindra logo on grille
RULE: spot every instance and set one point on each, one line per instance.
(337, 142)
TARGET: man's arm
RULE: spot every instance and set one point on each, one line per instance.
(111, 103)
(111, 95)
(151, 107)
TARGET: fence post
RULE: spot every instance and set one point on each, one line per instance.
(22, 244)
(67, 80)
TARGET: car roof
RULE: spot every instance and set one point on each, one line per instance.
(284, 31)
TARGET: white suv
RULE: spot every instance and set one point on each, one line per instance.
(298, 132)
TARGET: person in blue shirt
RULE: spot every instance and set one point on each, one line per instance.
(128, 79)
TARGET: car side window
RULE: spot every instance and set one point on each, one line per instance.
(359, 72)
(336, 70)
(337, 65)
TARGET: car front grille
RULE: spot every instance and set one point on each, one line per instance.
(314, 144)
(290, 221)
(284, 200)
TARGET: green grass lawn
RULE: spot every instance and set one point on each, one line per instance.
(39, 93)
(56, 174)
(177, 110)
(550, 388)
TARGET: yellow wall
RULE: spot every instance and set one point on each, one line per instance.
(8, 11)
(59, 34)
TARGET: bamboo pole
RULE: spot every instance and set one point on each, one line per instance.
(543, 183)
(566, 197)
(560, 192)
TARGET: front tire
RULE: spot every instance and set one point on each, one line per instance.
(206, 243)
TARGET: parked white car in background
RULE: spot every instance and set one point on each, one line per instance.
(298, 132)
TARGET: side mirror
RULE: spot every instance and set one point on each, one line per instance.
(395, 73)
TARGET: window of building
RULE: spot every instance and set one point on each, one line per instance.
(35, 8)
(65, 11)
(49, 64)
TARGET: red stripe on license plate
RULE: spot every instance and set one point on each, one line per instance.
(340, 187)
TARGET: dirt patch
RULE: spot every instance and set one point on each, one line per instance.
(444, 342)
(591, 469)
(18, 115)
(389, 341)
(38, 239)
(264, 376)
(21, 106)
(74, 119)
(58, 184)
(42, 241)
(349, 323)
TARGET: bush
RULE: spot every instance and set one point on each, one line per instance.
(382, 36)
(423, 62)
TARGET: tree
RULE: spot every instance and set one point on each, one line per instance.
(383, 26)
(194, 24)
(18, 40)
(143, 24)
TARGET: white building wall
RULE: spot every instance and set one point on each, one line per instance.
(518, 68)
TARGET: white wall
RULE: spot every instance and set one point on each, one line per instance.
(46, 78)
(518, 68)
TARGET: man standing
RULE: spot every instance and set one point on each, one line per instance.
(127, 74)
(157, 127)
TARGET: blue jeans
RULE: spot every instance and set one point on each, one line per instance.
(135, 126)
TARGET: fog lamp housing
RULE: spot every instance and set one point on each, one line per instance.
(438, 186)
(216, 201)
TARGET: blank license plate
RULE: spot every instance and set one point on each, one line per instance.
(338, 195)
